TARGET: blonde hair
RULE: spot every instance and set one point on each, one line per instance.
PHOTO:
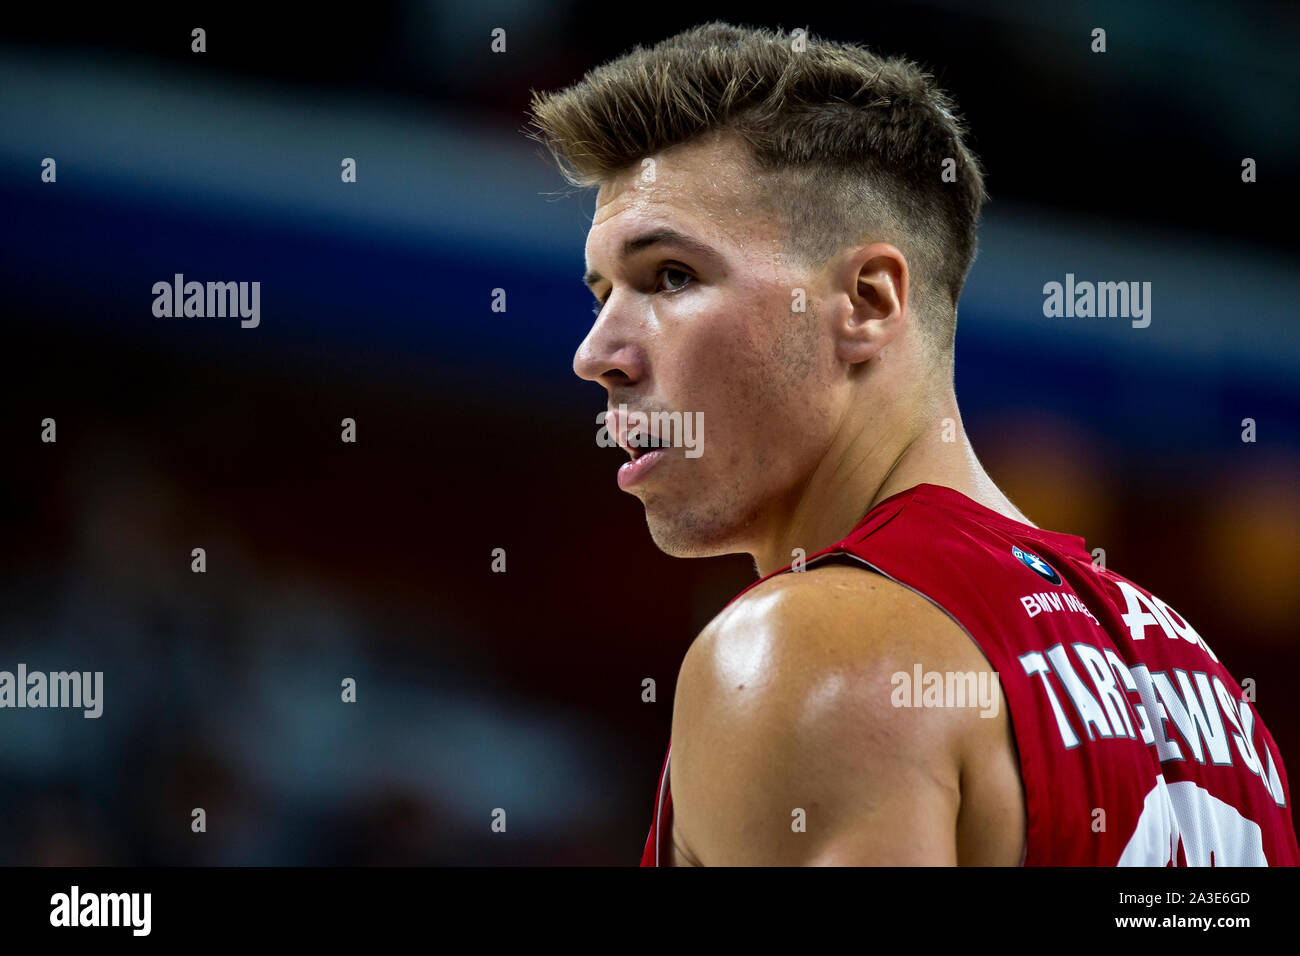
(848, 146)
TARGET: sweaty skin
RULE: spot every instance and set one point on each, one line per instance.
(811, 417)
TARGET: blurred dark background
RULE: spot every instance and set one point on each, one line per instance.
(372, 560)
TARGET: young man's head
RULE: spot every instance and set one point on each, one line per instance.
(782, 229)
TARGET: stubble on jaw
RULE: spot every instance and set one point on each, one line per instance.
(710, 520)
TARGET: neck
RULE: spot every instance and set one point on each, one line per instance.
(857, 474)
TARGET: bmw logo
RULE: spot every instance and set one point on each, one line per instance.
(1036, 564)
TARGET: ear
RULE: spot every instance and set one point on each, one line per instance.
(874, 279)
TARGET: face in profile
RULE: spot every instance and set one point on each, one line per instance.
(698, 317)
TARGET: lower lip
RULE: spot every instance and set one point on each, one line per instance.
(631, 472)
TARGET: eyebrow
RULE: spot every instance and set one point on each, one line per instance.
(644, 241)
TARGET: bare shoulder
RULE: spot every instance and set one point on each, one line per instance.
(787, 703)
(800, 621)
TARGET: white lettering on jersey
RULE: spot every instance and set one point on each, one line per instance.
(1159, 613)
(1274, 781)
(1111, 697)
(1195, 706)
(1089, 710)
(1130, 684)
(1166, 749)
(1193, 720)
(1242, 720)
(1137, 619)
(1045, 601)
(1184, 630)
(1035, 663)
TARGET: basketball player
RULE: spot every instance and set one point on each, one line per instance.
(781, 233)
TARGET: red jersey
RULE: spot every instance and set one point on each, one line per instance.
(1136, 746)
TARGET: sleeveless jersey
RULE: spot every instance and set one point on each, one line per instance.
(1136, 746)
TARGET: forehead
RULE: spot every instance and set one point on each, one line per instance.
(706, 188)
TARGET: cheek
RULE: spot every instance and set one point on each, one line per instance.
(750, 411)
(728, 373)
(748, 369)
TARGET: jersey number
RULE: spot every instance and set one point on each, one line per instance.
(1186, 825)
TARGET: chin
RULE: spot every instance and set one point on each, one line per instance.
(687, 535)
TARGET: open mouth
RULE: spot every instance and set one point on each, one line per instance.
(636, 446)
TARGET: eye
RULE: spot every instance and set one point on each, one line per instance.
(674, 280)
(668, 271)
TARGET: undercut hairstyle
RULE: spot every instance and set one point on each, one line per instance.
(846, 146)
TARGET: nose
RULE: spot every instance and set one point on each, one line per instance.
(610, 354)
